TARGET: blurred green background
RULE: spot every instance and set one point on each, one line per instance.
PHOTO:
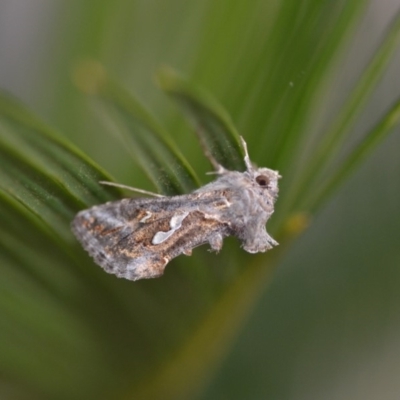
(321, 321)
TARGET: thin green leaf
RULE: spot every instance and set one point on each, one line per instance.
(165, 335)
(212, 124)
(146, 141)
(46, 176)
(302, 97)
(330, 146)
(382, 129)
(27, 138)
(179, 377)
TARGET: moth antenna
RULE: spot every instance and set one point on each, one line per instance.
(218, 168)
(247, 161)
(141, 191)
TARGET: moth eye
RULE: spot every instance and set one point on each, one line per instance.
(262, 180)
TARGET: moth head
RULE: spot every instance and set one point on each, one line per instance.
(264, 178)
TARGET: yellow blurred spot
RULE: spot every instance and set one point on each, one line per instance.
(89, 76)
(297, 223)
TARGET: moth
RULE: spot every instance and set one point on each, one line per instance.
(135, 238)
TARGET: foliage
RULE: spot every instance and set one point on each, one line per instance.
(69, 330)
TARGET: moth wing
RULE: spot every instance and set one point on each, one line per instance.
(136, 238)
(116, 236)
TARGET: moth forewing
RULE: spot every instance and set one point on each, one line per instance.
(136, 238)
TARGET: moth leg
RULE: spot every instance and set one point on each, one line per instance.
(187, 252)
(143, 267)
(260, 242)
(216, 241)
